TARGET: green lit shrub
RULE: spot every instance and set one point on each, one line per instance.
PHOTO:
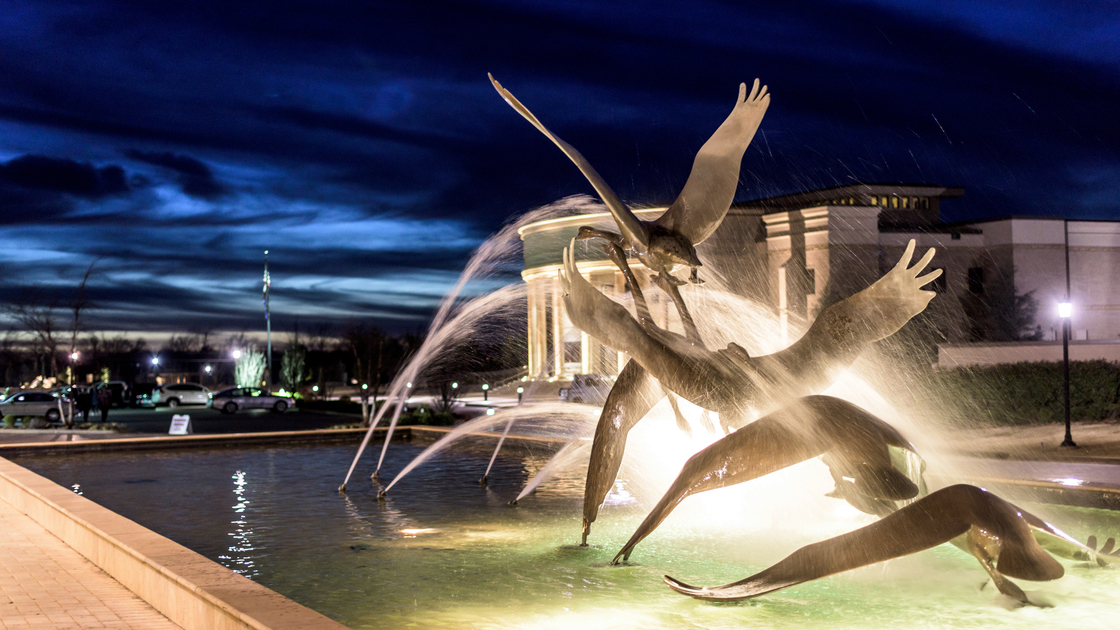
(1033, 393)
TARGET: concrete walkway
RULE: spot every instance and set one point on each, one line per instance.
(46, 584)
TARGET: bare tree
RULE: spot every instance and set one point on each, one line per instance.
(79, 304)
(38, 320)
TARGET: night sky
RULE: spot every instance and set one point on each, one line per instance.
(362, 144)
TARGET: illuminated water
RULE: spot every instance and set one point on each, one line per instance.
(444, 552)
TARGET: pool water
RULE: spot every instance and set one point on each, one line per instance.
(443, 551)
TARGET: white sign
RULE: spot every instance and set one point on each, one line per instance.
(180, 425)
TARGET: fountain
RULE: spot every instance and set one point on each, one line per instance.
(770, 407)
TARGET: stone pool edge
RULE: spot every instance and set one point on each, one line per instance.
(187, 588)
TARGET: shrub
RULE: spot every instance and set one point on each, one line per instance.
(1033, 393)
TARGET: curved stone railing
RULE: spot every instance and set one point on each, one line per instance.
(187, 588)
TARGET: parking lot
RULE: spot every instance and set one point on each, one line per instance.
(205, 420)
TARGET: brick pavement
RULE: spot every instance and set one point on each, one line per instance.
(46, 584)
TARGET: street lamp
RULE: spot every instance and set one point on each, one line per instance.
(74, 355)
(520, 391)
(209, 369)
(1065, 312)
(155, 361)
(485, 391)
(236, 354)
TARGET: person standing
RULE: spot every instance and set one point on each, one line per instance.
(84, 400)
(103, 402)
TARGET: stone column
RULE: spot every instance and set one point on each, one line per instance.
(531, 296)
(558, 326)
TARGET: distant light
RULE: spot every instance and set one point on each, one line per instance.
(409, 384)
(520, 390)
(74, 356)
(155, 360)
(365, 385)
(1065, 309)
(236, 354)
(314, 388)
(485, 387)
(454, 386)
(490, 411)
(524, 378)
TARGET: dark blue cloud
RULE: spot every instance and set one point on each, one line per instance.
(195, 177)
(67, 176)
(363, 146)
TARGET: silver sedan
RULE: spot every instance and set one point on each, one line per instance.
(32, 404)
(235, 398)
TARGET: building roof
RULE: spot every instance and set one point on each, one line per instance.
(860, 192)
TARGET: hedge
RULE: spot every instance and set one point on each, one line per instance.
(1033, 393)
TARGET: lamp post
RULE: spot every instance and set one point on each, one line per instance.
(1065, 311)
(485, 392)
(520, 391)
(268, 317)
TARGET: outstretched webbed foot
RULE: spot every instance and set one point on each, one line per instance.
(587, 233)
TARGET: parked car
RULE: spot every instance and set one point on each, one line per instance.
(30, 404)
(587, 388)
(177, 394)
(235, 398)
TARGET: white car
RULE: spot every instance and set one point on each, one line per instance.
(177, 394)
(234, 398)
(28, 404)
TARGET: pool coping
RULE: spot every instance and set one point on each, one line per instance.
(186, 587)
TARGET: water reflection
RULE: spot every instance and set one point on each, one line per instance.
(240, 558)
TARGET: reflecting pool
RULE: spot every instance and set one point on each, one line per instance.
(442, 551)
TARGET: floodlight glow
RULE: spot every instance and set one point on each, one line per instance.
(1069, 481)
(236, 354)
(155, 360)
(1065, 310)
